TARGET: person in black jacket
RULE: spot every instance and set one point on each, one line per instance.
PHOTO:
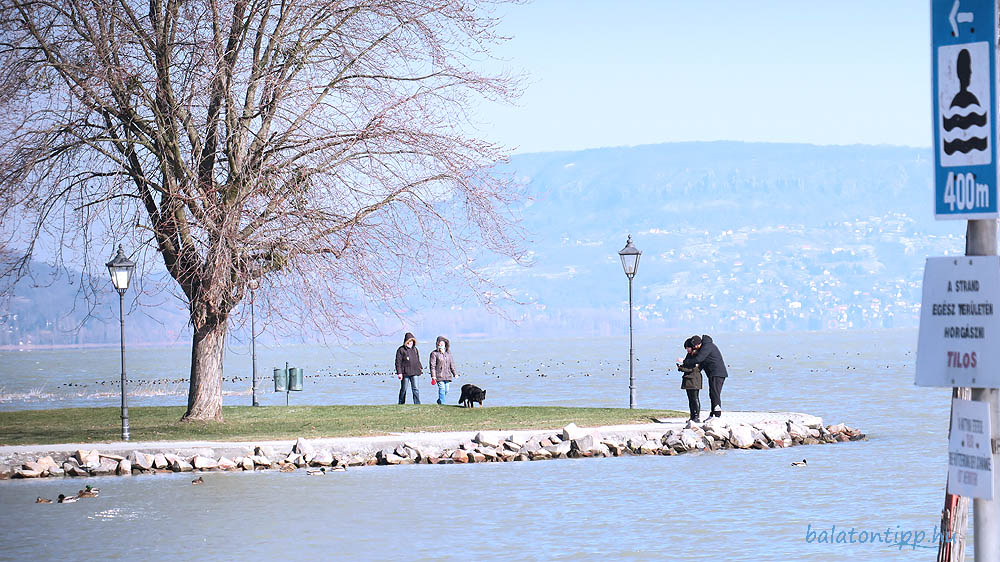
(708, 356)
(691, 381)
(408, 367)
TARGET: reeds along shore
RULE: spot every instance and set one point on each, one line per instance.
(570, 442)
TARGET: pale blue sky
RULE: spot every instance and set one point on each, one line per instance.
(612, 73)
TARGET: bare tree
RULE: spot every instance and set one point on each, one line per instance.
(319, 146)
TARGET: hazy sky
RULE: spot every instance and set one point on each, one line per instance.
(611, 73)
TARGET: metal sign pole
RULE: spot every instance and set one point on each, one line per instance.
(981, 240)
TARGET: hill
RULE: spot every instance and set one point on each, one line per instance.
(735, 236)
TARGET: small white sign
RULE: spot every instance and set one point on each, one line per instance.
(970, 457)
(959, 341)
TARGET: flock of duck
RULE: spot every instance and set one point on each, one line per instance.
(88, 492)
(92, 492)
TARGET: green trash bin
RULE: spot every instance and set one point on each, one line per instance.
(280, 380)
(295, 379)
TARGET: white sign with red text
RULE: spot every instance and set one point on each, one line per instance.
(959, 341)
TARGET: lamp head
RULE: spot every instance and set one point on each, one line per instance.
(630, 258)
(120, 268)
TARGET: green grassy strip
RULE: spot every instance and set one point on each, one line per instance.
(245, 423)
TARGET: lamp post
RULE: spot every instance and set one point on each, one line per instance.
(121, 268)
(630, 261)
(254, 285)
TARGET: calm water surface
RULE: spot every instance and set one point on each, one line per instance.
(737, 505)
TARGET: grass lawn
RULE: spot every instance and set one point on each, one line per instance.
(246, 423)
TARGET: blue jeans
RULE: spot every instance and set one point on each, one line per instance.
(413, 386)
(442, 390)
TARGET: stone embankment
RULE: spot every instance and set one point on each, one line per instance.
(571, 442)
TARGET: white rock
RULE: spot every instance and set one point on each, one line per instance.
(322, 458)
(226, 464)
(649, 448)
(124, 468)
(584, 443)
(106, 466)
(304, 447)
(35, 466)
(719, 433)
(690, 440)
(204, 463)
(839, 428)
(247, 463)
(141, 460)
(160, 461)
(797, 430)
(47, 461)
(85, 457)
(561, 448)
(484, 439)
(774, 431)
(741, 436)
(814, 422)
(27, 473)
(571, 432)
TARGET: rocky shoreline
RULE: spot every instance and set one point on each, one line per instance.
(570, 442)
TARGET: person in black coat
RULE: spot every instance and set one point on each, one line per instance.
(408, 367)
(691, 381)
(709, 358)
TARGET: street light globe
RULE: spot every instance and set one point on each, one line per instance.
(121, 270)
(630, 258)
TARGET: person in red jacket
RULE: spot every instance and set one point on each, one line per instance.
(408, 367)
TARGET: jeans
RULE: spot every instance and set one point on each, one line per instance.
(442, 390)
(413, 386)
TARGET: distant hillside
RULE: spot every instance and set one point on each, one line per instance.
(735, 236)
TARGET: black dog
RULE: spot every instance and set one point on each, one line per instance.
(471, 393)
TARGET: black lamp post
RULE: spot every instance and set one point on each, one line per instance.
(254, 285)
(630, 261)
(121, 270)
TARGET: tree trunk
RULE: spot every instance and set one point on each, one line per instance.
(205, 392)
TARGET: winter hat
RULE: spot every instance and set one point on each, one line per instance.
(409, 337)
(447, 344)
(695, 341)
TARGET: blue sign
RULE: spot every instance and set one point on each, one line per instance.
(963, 38)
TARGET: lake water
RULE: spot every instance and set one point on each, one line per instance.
(737, 505)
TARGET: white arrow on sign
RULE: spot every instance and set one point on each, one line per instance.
(956, 17)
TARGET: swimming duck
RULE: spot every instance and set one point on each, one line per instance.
(40, 499)
(797, 463)
(319, 472)
(67, 499)
(198, 480)
(90, 492)
(339, 469)
(287, 467)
